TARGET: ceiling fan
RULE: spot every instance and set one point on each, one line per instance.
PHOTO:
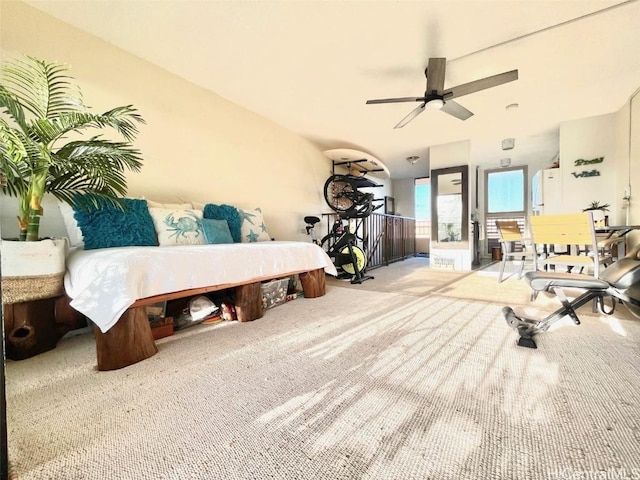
(437, 98)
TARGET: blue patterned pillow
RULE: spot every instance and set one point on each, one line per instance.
(253, 228)
(225, 212)
(178, 226)
(107, 226)
(216, 231)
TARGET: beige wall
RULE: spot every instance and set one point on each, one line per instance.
(587, 139)
(633, 166)
(196, 145)
(404, 195)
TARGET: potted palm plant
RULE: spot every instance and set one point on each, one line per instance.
(48, 144)
(595, 206)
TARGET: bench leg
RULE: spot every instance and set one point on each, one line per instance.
(313, 283)
(129, 341)
(249, 302)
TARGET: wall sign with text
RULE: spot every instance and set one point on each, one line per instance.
(587, 173)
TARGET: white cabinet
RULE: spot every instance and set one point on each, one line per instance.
(546, 192)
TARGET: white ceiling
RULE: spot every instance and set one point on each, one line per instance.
(311, 65)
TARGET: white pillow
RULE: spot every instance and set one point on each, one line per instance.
(253, 228)
(71, 225)
(175, 226)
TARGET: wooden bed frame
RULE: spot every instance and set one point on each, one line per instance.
(130, 340)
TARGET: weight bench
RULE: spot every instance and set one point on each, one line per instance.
(620, 281)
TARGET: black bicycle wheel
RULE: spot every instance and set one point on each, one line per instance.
(340, 193)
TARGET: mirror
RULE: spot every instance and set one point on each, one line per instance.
(449, 206)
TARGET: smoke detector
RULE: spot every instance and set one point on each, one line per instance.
(508, 143)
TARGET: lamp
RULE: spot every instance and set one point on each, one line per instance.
(413, 159)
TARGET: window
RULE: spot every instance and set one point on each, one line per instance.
(505, 195)
(423, 207)
(505, 191)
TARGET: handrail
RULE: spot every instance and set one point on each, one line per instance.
(389, 238)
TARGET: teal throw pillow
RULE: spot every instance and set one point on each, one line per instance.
(225, 212)
(216, 231)
(105, 225)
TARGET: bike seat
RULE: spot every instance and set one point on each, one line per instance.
(311, 220)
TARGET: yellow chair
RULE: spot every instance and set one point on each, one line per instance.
(513, 245)
(576, 231)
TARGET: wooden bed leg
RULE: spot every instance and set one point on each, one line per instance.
(129, 341)
(249, 302)
(313, 283)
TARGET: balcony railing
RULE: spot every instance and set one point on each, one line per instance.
(385, 238)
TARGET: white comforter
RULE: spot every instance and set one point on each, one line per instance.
(104, 283)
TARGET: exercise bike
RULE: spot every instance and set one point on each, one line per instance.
(341, 246)
(619, 281)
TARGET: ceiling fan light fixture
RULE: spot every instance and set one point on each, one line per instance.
(435, 104)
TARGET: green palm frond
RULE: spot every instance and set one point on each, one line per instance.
(11, 148)
(11, 106)
(42, 87)
(122, 119)
(12, 151)
(74, 188)
(100, 155)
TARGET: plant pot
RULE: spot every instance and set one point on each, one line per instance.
(32, 270)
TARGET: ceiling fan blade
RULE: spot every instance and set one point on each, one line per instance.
(413, 114)
(435, 75)
(457, 110)
(396, 100)
(482, 84)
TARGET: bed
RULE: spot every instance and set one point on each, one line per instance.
(112, 286)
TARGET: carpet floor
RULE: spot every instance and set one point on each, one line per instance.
(361, 383)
